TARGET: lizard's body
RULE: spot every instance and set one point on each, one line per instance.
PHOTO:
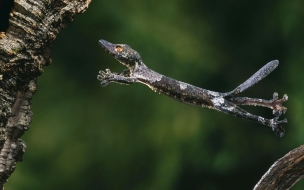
(189, 94)
(172, 88)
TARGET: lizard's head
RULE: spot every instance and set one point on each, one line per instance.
(122, 52)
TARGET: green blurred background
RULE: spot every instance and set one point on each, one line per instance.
(84, 136)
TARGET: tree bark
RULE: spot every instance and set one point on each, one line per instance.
(285, 172)
(25, 48)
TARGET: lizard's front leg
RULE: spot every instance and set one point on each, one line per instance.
(107, 77)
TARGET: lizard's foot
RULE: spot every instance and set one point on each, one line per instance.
(276, 104)
(278, 110)
(277, 126)
(106, 77)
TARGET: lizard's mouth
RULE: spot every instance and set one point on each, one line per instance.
(107, 46)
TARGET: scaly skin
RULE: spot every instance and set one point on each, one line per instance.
(186, 93)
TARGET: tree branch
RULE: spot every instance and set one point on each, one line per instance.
(24, 49)
(285, 172)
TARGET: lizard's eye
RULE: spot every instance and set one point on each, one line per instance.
(118, 49)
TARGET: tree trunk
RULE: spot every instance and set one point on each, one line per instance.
(25, 48)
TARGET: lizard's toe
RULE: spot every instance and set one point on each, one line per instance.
(105, 77)
(277, 106)
(277, 126)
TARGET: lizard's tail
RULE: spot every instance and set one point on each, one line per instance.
(255, 78)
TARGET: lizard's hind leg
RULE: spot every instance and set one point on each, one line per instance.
(275, 103)
(230, 107)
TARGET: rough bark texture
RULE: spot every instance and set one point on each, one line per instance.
(285, 172)
(24, 48)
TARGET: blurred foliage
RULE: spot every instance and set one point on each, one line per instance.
(84, 136)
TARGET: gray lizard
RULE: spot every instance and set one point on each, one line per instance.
(186, 93)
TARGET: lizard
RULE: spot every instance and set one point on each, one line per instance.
(228, 102)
